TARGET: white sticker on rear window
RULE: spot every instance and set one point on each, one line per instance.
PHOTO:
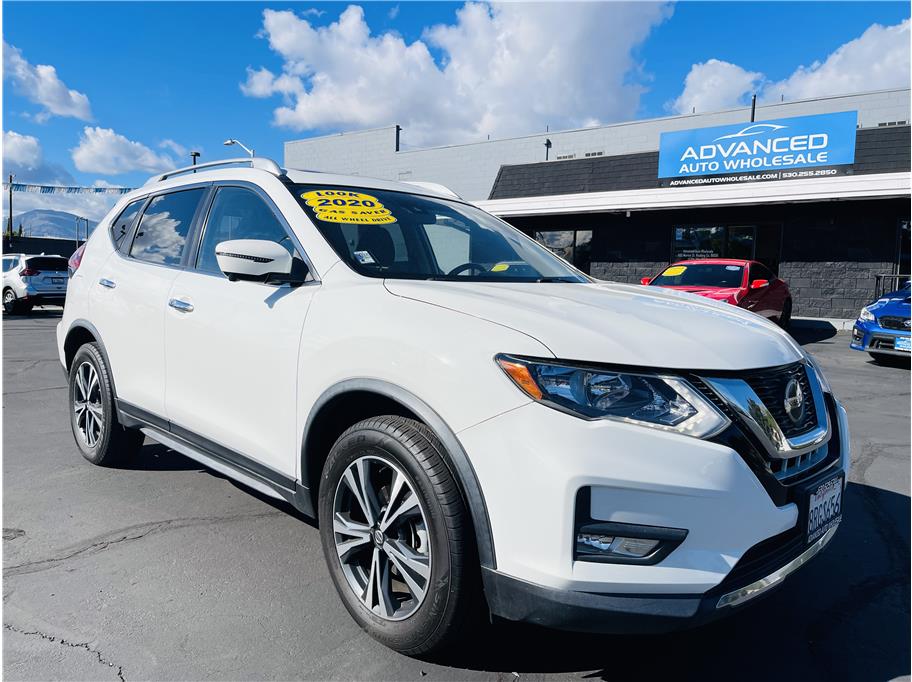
(364, 257)
(733, 268)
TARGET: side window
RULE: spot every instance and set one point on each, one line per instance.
(121, 226)
(238, 213)
(450, 244)
(8, 264)
(162, 233)
(760, 272)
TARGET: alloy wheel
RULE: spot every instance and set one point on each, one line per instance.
(9, 301)
(382, 537)
(87, 407)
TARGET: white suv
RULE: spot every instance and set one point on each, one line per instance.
(471, 420)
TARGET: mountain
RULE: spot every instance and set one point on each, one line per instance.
(46, 223)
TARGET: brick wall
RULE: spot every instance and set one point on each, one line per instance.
(831, 288)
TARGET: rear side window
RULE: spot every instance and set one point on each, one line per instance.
(9, 263)
(162, 233)
(121, 227)
(47, 264)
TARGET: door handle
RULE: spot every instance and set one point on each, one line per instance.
(181, 306)
(107, 283)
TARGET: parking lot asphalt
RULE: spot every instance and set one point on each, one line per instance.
(165, 570)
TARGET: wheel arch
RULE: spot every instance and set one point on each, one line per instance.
(391, 399)
(82, 332)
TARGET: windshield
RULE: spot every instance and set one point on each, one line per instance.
(701, 275)
(397, 235)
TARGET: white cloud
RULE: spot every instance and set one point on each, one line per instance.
(393, 12)
(878, 59)
(41, 85)
(715, 85)
(171, 145)
(507, 69)
(101, 150)
(21, 150)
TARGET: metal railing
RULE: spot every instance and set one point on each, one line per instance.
(885, 283)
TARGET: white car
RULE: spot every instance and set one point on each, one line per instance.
(471, 420)
(30, 280)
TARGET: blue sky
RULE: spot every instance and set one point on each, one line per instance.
(153, 72)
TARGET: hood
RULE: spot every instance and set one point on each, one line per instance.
(617, 323)
(715, 293)
(894, 303)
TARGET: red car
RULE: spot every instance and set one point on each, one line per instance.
(744, 283)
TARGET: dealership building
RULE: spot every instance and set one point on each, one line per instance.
(818, 190)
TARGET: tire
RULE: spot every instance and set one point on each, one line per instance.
(785, 319)
(10, 303)
(99, 436)
(434, 534)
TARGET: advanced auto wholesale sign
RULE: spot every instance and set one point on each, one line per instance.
(763, 150)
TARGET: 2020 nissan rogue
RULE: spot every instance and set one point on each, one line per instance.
(471, 420)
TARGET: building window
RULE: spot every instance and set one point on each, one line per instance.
(574, 246)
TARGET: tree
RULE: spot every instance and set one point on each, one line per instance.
(20, 229)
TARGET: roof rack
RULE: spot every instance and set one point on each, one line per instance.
(259, 162)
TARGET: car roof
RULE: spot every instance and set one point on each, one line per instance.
(235, 169)
(713, 261)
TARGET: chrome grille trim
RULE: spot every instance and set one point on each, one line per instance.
(742, 399)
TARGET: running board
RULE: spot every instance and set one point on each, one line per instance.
(212, 463)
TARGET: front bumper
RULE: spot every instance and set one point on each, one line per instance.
(870, 337)
(518, 600)
(531, 463)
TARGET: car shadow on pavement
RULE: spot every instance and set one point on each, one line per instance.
(811, 331)
(37, 314)
(844, 616)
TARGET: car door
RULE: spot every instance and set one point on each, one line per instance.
(128, 300)
(762, 300)
(232, 347)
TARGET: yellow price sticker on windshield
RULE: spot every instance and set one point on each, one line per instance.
(674, 271)
(500, 267)
(345, 206)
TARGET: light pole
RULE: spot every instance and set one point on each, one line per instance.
(193, 157)
(240, 144)
(11, 204)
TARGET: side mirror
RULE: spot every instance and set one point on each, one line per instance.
(645, 280)
(759, 283)
(259, 260)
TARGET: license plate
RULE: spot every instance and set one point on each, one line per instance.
(824, 508)
(57, 280)
(902, 343)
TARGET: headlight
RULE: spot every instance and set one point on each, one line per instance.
(662, 402)
(866, 315)
(821, 377)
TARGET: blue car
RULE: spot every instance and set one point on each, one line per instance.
(882, 328)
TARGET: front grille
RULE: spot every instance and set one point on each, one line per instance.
(769, 385)
(881, 343)
(894, 322)
(793, 466)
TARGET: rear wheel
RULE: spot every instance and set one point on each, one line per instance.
(10, 304)
(93, 418)
(395, 534)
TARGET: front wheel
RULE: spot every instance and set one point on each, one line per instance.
(395, 534)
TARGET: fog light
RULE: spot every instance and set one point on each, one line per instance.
(591, 543)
